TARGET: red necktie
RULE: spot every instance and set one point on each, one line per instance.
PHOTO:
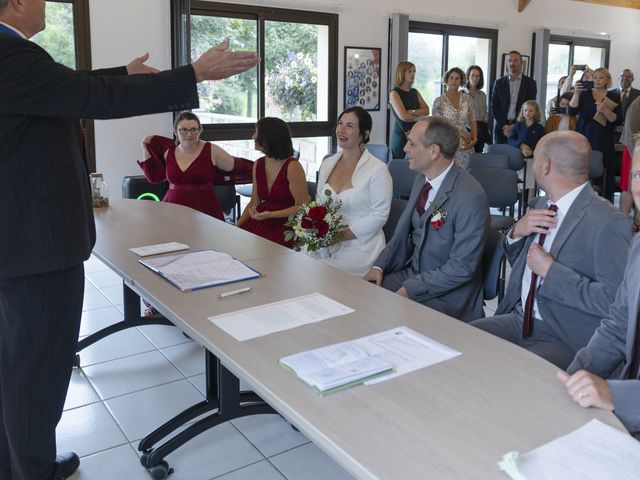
(632, 373)
(422, 199)
(527, 325)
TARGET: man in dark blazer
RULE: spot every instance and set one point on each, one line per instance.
(626, 91)
(616, 341)
(435, 253)
(577, 255)
(508, 95)
(47, 223)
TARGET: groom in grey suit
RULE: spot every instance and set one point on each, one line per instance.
(566, 265)
(435, 252)
(616, 340)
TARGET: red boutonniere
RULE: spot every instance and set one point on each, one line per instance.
(437, 218)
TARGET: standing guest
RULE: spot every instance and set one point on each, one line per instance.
(567, 257)
(190, 167)
(455, 106)
(626, 92)
(560, 119)
(568, 85)
(555, 101)
(473, 87)
(593, 106)
(434, 256)
(279, 183)
(52, 230)
(509, 93)
(407, 105)
(630, 130)
(363, 185)
(525, 135)
(616, 340)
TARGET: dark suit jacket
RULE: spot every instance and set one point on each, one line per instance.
(452, 278)
(589, 254)
(633, 94)
(501, 97)
(46, 217)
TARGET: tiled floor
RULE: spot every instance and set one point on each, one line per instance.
(131, 382)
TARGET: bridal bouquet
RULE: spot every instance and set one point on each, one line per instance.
(316, 226)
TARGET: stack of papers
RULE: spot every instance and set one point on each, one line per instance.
(159, 248)
(595, 451)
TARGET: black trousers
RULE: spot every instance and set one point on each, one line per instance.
(39, 325)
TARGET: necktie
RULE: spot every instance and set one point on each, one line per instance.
(632, 373)
(625, 100)
(422, 199)
(527, 325)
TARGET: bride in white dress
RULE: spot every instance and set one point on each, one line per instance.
(363, 184)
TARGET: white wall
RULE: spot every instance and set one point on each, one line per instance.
(143, 25)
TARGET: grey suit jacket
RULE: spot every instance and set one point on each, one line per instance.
(452, 278)
(589, 252)
(613, 341)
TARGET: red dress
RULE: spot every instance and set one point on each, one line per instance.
(278, 199)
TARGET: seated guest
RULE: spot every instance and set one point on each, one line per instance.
(525, 135)
(279, 183)
(363, 184)
(616, 340)
(434, 255)
(555, 101)
(560, 119)
(567, 257)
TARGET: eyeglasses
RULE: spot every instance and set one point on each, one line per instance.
(636, 175)
(184, 131)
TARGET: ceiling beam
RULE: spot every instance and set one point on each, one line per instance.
(522, 4)
(615, 3)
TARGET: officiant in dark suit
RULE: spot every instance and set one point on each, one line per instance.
(46, 218)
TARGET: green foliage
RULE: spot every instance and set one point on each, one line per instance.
(58, 38)
(293, 86)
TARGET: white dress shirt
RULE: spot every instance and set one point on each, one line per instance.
(435, 186)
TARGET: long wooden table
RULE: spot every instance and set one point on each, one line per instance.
(452, 420)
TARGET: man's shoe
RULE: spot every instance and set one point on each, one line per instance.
(66, 465)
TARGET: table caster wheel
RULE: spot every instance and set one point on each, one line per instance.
(144, 459)
(160, 471)
(76, 361)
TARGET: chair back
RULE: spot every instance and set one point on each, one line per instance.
(229, 200)
(380, 151)
(596, 169)
(401, 176)
(516, 160)
(397, 207)
(312, 187)
(139, 188)
(494, 160)
(492, 258)
(500, 185)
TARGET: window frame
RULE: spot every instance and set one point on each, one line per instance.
(181, 11)
(573, 42)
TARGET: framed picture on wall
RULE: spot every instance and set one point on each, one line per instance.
(362, 77)
(525, 64)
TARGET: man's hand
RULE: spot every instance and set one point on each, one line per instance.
(374, 275)
(587, 389)
(218, 63)
(538, 260)
(402, 292)
(137, 66)
(538, 220)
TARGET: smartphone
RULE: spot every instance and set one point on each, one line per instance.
(588, 85)
(581, 67)
(560, 110)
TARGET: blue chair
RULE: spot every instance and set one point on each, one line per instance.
(516, 160)
(501, 187)
(493, 266)
(379, 151)
(397, 207)
(402, 177)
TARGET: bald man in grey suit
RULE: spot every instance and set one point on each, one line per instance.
(616, 340)
(579, 265)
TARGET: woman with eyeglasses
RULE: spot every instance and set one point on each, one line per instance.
(191, 166)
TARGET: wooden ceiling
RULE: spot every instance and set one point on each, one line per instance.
(615, 3)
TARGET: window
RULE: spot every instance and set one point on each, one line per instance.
(295, 81)
(435, 48)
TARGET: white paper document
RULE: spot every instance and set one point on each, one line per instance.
(275, 317)
(195, 270)
(595, 451)
(405, 349)
(159, 248)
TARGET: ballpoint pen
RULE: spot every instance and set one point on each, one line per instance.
(234, 292)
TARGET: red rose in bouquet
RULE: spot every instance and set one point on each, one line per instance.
(318, 213)
(306, 222)
(323, 228)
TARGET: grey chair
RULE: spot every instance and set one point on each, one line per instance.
(501, 187)
(380, 151)
(493, 266)
(493, 160)
(402, 177)
(516, 160)
(229, 200)
(397, 207)
(596, 169)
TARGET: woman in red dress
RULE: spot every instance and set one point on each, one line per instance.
(279, 183)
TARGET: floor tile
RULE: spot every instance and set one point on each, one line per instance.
(270, 434)
(88, 286)
(94, 299)
(114, 294)
(189, 358)
(95, 320)
(139, 413)
(308, 462)
(94, 265)
(131, 374)
(261, 470)
(80, 391)
(107, 278)
(163, 336)
(121, 344)
(88, 430)
(116, 463)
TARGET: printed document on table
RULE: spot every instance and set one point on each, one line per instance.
(406, 350)
(274, 317)
(594, 451)
(159, 248)
(195, 270)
